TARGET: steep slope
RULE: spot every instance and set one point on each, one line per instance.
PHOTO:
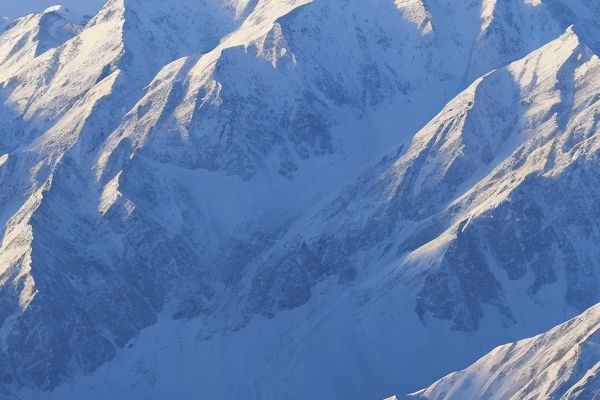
(206, 115)
(560, 364)
(33, 35)
(63, 101)
(182, 178)
(283, 56)
(136, 40)
(495, 155)
(430, 233)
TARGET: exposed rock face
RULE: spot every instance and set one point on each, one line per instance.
(228, 164)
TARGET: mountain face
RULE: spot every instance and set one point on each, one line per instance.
(560, 364)
(242, 197)
(30, 36)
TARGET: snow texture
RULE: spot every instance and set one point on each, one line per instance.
(291, 198)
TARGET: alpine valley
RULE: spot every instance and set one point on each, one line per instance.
(301, 199)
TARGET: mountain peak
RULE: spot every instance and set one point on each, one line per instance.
(222, 185)
(33, 35)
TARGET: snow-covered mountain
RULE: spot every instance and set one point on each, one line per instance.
(560, 364)
(291, 198)
(30, 36)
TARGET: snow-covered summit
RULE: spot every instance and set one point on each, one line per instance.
(297, 175)
(30, 36)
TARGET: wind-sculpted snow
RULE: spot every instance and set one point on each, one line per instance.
(216, 167)
(560, 364)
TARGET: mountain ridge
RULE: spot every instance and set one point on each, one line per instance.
(559, 364)
(221, 167)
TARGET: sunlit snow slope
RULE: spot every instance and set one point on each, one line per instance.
(560, 364)
(291, 198)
